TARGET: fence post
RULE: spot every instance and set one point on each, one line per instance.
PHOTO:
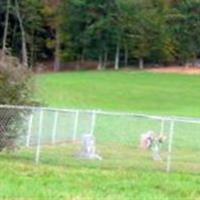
(93, 123)
(54, 127)
(171, 134)
(75, 125)
(39, 137)
(30, 122)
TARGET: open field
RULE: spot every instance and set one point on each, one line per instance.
(125, 173)
(165, 94)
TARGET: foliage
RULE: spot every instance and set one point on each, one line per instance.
(15, 84)
(15, 88)
(157, 31)
(187, 29)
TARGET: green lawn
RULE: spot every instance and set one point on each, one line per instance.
(124, 173)
(166, 94)
(21, 179)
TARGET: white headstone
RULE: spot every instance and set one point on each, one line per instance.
(89, 148)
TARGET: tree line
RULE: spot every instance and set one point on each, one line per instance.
(113, 33)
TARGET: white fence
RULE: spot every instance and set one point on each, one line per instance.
(55, 136)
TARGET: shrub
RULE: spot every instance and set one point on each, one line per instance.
(16, 88)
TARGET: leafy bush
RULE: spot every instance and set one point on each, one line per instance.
(16, 88)
(15, 82)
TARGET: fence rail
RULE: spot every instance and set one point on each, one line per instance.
(102, 112)
(56, 136)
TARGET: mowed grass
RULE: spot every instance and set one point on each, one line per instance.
(59, 177)
(141, 92)
(21, 179)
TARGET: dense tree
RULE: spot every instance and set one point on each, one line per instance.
(92, 26)
(5, 34)
(187, 30)
(111, 33)
(53, 21)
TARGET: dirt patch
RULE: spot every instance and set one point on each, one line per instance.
(176, 70)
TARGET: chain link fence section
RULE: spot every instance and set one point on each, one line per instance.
(74, 138)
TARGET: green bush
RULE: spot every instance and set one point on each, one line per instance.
(16, 88)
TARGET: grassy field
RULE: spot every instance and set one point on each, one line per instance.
(166, 94)
(21, 179)
(126, 175)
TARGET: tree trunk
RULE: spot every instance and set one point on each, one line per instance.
(82, 57)
(13, 36)
(24, 47)
(126, 56)
(117, 56)
(141, 63)
(32, 50)
(100, 63)
(105, 59)
(6, 28)
(57, 51)
(78, 63)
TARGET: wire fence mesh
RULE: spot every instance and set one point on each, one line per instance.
(101, 139)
